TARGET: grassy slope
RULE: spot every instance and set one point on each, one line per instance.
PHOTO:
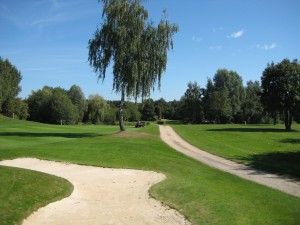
(267, 147)
(23, 191)
(203, 194)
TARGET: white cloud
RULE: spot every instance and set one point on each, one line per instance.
(237, 34)
(196, 39)
(215, 48)
(217, 29)
(267, 47)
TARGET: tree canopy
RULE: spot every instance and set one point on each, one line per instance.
(77, 97)
(136, 47)
(10, 79)
(191, 104)
(97, 109)
(252, 109)
(223, 97)
(281, 89)
(52, 105)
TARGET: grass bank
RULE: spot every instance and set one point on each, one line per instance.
(24, 191)
(203, 194)
(265, 147)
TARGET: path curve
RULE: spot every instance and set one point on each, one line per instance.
(100, 196)
(169, 136)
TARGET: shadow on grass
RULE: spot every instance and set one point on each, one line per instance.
(64, 135)
(173, 122)
(291, 141)
(281, 163)
(251, 129)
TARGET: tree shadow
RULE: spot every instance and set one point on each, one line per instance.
(251, 129)
(173, 122)
(64, 135)
(281, 163)
(291, 141)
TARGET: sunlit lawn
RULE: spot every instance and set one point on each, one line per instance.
(203, 194)
(266, 147)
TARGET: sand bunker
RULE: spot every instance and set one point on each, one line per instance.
(100, 196)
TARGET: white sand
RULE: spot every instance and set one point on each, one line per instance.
(169, 136)
(100, 196)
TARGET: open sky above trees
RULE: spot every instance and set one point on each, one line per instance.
(47, 41)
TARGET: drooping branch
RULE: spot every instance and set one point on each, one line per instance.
(137, 49)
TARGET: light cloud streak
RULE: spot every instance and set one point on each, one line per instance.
(196, 39)
(217, 29)
(237, 34)
(215, 48)
(266, 47)
(54, 12)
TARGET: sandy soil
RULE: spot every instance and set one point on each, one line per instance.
(169, 136)
(100, 196)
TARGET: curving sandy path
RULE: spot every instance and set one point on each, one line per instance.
(169, 136)
(100, 196)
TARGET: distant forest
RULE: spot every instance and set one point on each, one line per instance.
(223, 100)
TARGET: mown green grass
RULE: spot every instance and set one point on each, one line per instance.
(265, 147)
(24, 191)
(203, 194)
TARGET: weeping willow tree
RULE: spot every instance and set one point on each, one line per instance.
(135, 46)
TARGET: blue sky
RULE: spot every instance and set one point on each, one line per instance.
(47, 41)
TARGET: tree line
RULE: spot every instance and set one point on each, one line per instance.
(224, 99)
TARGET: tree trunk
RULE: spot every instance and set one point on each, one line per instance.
(287, 120)
(121, 112)
(290, 120)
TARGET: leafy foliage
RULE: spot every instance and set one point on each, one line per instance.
(148, 110)
(223, 97)
(10, 79)
(21, 109)
(52, 105)
(137, 48)
(281, 89)
(252, 108)
(230, 82)
(61, 108)
(132, 113)
(191, 104)
(77, 97)
(97, 109)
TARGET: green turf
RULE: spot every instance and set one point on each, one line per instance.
(203, 194)
(24, 191)
(265, 147)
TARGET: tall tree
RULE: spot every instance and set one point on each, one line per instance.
(281, 89)
(161, 108)
(218, 107)
(97, 108)
(10, 79)
(172, 110)
(207, 97)
(232, 82)
(77, 97)
(61, 109)
(137, 48)
(38, 103)
(21, 109)
(131, 112)
(191, 108)
(52, 105)
(252, 107)
(148, 111)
